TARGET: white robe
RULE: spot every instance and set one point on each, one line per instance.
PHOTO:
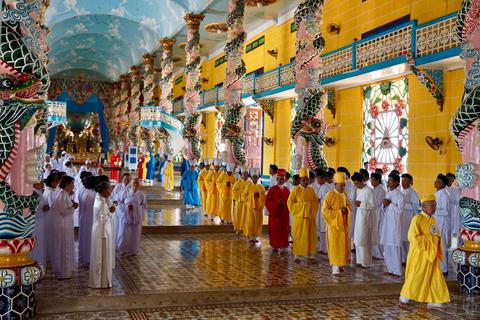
(366, 219)
(86, 215)
(321, 191)
(411, 209)
(46, 174)
(380, 193)
(92, 170)
(102, 258)
(39, 253)
(63, 259)
(70, 172)
(49, 196)
(119, 213)
(455, 195)
(61, 163)
(392, 230)
(351, 191)
(132, 220)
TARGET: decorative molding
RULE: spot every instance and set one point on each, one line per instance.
(267, 107)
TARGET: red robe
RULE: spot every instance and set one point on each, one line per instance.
(114, 173)
(278, 217)
(141, 160)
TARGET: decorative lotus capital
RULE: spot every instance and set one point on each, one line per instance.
(194, 21)
(149, 58)
(168, 43)
(136, 70)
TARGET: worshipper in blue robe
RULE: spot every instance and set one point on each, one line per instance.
(160, 168)
(189, 180)
(151, 168)
(183, 169)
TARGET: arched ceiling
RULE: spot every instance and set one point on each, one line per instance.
(101, 39)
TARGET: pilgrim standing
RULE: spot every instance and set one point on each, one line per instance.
(69, 170)
(184, 167)
(63, 259)
(135, 207)
(254, 197)
(392, 232)
(102, 257)
(336, 211)
(119, 213)
(201, 184)
(189, 181)
(141, 161)
(321, 189)
(168, 184)
(455, 195)
(151, 168)
(86, 217)
(225, 184)
(442, 216)
(380, 192)
(240, 216)
(411, 209)
(279, 216)
(115, 162)
(161, 168)
(213, 201)
(39, 253)
(424, 281)
(85, 168)
(50, 186)
(366, 221)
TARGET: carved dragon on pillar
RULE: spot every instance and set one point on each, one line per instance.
(148, 136)
(135, 101)
(166, 82)
(308, 129)
(191, 131)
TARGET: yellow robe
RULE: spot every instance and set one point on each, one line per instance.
(213, 201)
(168, 176)
(239, 219)
(254, 209)
(303, 205)
(144, 166)
(201, 184)
(338, 224)
(424, 281)
(226, 198)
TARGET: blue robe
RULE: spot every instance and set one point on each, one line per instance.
(183, 168)
(151, 169)
(160, 175)
(189, 181)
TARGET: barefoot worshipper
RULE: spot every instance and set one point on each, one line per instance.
(189, 181)
(201, 184)
(254, 197)
(240, 216)
(225, 184)
(213, 201)
(119, 213)
(303, 204)
(424, 281)
(86, 216)
(168, 183)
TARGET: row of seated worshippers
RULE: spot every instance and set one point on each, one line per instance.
(327, 210)
(106, 219)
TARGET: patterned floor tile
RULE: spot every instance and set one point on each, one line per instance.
(175, 216)
(105, 315)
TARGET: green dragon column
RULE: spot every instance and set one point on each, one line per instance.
(113, 126)
(465, 130)
(193, 118)
(232, 130)
(123, 112)
(135, 101)
(308, 129)
(147, 136)
(24, 83)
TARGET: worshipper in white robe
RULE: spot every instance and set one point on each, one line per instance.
(392, 232)
(411, 209)
(86, 168)
(61, 161)
(63, 259)
(69, 169)
(54, 162)
(455, 195)
(85, 206)
(48, 169)
(321, 188)
(59, 176)
(380, 192)
(366, 221)
(119, 213)
(443, 218)
(51, 184)
(135, 207)
(102, 258)
(39, 253)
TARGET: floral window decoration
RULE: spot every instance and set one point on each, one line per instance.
(293, 146)
(385, 126)
(219, 146)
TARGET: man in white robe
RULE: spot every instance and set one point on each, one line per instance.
(49, 196)
(321, 188)
(443, 217)
(39, 253)
(455, 195)
(61, 161)
(135, 207)
(392, 232)
(86, 218)
(119, 213)
(88, 168)
(411, 209)
(380, 192)
(366, 221)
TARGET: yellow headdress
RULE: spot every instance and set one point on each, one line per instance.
(427, 198)
(304, 173)
(340, 177)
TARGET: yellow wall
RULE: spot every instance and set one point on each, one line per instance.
(209, 147)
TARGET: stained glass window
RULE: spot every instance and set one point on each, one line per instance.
(254, 139)
(385, 126)
(293, 152)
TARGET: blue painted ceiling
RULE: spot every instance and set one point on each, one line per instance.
(101, 39)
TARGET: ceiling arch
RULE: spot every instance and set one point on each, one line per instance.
(87, 65)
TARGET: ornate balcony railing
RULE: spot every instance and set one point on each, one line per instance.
(423, 40)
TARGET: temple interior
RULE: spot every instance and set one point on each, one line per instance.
(374, 84)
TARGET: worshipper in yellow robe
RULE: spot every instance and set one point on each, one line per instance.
(144, 168)
(240, 216)
(168, 174)
(424, 281)
(303, 204)
(254, 197)
(201, 184)
(225, 184)
(213, 201)
(336, 211)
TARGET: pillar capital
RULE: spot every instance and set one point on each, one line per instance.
(193, 21)
(124, 78)
(117, 85)
(136, 70)
(149, 58)
(168, 43)
(157, 69)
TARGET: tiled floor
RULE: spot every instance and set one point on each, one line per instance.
(462, 307)
(174, 216)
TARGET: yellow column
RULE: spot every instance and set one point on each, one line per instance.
(210, 144)
(282, 143)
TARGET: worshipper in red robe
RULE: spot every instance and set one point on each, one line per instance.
(279, 216)
(115, 162)
(141, 160)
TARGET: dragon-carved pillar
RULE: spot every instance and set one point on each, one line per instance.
(124, 108)
(135, 102)
(465, 130)
(308, 129)
(232, 130)
(25, 84)
(147, 136)
(113, 125)
(193, 118)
